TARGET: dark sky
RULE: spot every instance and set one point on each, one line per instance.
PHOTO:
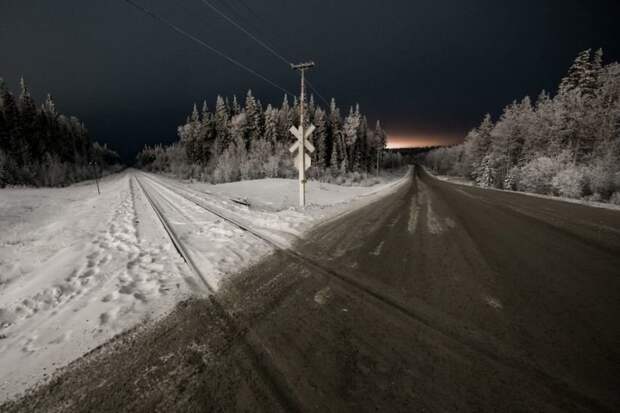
(429, 69)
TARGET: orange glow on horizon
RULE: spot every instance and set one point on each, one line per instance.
(418, 141)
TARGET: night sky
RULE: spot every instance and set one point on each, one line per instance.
(429, 69)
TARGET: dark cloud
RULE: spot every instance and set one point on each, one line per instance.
(426, 68)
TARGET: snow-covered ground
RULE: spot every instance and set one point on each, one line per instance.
(77, 268)
(272, 205)
(468, 182)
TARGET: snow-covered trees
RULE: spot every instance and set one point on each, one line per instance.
(254, 117)
(477, 144)
(568, 144)
(377, 143)
(320, 136)
(251, 142)
(38, 146)
(220, 119)
(581, 74)
(271, 125)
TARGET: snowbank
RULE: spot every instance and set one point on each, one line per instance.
(277, 194)
(468, 182)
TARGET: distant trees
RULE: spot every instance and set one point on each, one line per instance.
(567, 145)
(39, 146)
(250, 142)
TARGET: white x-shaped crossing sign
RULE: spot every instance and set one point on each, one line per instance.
(297, 132)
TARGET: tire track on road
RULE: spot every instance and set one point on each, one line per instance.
(478, 341)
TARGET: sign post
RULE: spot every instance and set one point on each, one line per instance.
(94, 165)
(302, 160)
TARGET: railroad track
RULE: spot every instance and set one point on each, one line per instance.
(251, 344)
(478, 341)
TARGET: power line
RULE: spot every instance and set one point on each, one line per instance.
(205, 45)
(249, 9)
(317, 93)
(238, 26)
(263, 44)
(260, 27)
(240, 13)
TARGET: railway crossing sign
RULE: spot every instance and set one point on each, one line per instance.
(302, 133)
(302, 159)
(302, 137)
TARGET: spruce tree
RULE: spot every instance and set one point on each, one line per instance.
(580, 75)
(508, 139)
(189, 134)
(597, 70)
(4, 134)
(252, 115)
(480, 140)
(334, 159)
(320, 139)
(380, 137)
(221, 127)
(379, 144)
(8, 110)
(49, 107)
(260, 119)
(271, 125)
(284, 120)
(597, 61)
(334, 136)
(28, 125)
(49, 121)
(235, 107)
(350, 132)
(294, 112)
(207, 134)
(310, 110)
(363, 144)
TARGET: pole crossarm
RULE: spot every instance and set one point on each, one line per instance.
(302, 66)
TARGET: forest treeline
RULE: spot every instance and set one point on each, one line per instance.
(246, 141)
(41, 147)
(566, 145)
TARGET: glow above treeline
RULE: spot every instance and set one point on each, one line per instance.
(416, 141)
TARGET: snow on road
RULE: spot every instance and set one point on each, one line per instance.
(77, 268)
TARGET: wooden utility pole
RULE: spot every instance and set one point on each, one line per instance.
(302, 162)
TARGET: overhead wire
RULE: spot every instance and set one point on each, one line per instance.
(204, 44)
(263, 44)
(238, 26)
(258, 25)
(242, 14)
(317, 93)
(248, 8)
